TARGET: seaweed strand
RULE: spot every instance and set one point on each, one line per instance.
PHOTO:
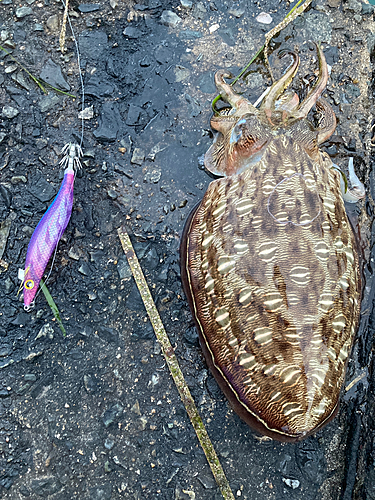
(174, 367)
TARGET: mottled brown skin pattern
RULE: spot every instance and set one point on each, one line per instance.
(269, 264)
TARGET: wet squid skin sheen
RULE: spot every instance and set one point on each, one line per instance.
(269, 263)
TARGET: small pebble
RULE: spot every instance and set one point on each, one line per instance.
(26, 212)
(142, 421)
(78, 234)
(170, 18)
(86, 332)
(16, 179)
(199, 11)
(11, 68)
(20, 79)
(47, 102)
(135, 408)
(367, 8)
(214, 28)
(53, 23)
(9, 285)
(89, 7)
(123, 267)
(112, 194)
(131, 32)
(208, 482)
(5, 350)
(154, 379)
(85, 269)
(9, 44)
(4, 35)
(189, 35)
(236, 12)
(72, 254)
(264, 18)
(27, 230)
(292, 483)
(23, 12)
(87, 113)
(51, 73)
(111, 414)
(109, 443)
(138, 156)
(134, 113)
(153, 176)
(10, 112)
(44, 331)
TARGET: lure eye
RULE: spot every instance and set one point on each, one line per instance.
(29, 284)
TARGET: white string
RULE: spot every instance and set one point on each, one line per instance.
(80, 75)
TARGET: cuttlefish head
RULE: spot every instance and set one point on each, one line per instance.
(245, 131)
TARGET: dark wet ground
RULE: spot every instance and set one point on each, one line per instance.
(95, 415)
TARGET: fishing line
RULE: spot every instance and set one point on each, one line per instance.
(65, 159)
(80, 74)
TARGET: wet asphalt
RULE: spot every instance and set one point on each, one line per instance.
(95, 415)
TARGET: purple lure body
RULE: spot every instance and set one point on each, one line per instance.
(46, 236)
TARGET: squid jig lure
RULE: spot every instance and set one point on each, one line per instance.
(51, 227)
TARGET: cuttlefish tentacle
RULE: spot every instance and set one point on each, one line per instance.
(228, 95)
(318, 88)
(279, 86)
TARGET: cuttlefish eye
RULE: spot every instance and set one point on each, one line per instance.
(29, 284)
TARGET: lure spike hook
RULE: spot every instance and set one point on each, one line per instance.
(72, 153)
